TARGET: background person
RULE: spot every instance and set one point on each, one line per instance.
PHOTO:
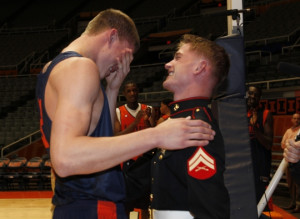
(134, 116)
(164, 110)
(260, 123)
(293, 187)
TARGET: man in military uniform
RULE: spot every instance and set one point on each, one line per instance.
(189, 183)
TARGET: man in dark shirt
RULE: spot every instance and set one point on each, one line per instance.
(260, 123)
(189, 183)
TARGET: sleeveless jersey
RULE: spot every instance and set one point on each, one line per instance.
(106, 185)
(126, 118)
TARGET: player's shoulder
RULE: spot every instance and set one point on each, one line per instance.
(77, 67)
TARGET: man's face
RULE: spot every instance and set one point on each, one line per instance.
(179, 69)
(131, 93)
(296, 120)
(114, 53)
(253, 97)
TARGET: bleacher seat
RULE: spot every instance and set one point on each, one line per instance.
(4, 161)
(32, 174)
(13, 174)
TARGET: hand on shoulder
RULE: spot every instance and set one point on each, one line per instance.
(183, 132)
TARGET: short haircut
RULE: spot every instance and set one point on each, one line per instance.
(210, 50)
(129, 82)
(112, 18)
(257, 88)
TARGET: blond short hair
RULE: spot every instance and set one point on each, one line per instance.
(211, 51)
(112, 18)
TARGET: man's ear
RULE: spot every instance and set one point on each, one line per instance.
(113, 36)
(201, 66)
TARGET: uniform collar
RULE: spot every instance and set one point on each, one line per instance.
(188, 103)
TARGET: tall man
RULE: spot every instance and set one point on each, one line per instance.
(77, 116)
(260, 123)
(189, 183)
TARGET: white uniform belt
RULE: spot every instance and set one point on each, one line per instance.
(162, 214)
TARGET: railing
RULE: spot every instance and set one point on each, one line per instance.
(26, 63)
(265, 41)
(289, 48)
(272, 81)
(20, 67)
(260, 53)
(38, 63)
(29, 139)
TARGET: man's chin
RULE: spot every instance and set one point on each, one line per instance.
(166, 85)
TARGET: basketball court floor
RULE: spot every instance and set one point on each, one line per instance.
(25, 205)
(37, 205)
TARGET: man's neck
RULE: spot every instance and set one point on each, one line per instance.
(133, 106)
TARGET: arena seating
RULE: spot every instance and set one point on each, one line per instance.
(20, 173)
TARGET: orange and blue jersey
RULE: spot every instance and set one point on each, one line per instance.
(108, 185)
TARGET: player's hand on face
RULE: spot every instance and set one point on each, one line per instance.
(183, 132)
(120, 70)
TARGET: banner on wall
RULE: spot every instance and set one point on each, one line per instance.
(282, 106)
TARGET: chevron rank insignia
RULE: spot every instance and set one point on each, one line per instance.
(201, 165)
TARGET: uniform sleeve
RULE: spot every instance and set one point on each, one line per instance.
(207, 194)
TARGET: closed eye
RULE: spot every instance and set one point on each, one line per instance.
(177, 56)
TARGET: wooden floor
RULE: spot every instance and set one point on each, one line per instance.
(25, 208)
(37, 205)
(25, 205)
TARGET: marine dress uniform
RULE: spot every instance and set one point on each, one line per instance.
(189, 183)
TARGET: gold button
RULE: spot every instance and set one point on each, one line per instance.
(176, 107)
(161, 157)
(197, 110)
